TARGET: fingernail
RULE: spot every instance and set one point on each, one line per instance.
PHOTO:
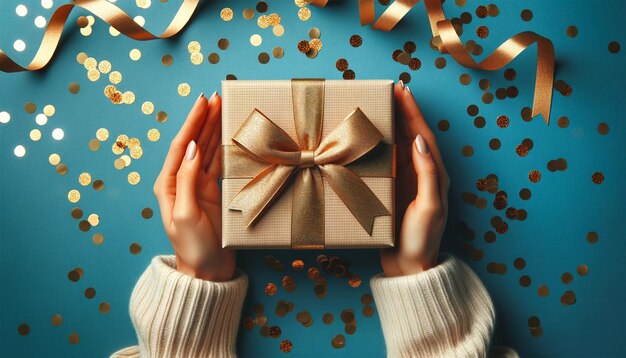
(407, 89)
(201, 95)
(213, 96)
(191, 150)
(401, 83)
(420, 144)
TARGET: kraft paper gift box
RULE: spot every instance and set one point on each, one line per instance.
(308, 163)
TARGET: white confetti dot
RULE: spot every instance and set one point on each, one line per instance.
(46, 4)
(19, 45)
(19, 151)
(58, 134)
(40, 22)
(41, 119)
(21, 10)
(5, 117)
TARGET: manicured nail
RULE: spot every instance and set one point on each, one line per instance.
(420, 144)
(407, 89)
(201, 95)
(401, 83)
(191, 150)
(213, 96)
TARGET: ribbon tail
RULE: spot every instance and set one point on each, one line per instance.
(394, 13)
(307, 217)
(357, 196)
(257, 195)
(366, 11)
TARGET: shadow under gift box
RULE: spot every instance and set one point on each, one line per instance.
(336, 99)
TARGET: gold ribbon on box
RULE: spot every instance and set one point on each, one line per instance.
(450, 41)
(261, 144)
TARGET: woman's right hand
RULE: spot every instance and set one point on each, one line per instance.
(189, 196)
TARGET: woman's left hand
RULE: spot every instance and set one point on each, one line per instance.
(422, 185)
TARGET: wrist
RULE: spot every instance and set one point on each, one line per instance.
(205, 272)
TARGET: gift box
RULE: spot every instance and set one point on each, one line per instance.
(308, 164)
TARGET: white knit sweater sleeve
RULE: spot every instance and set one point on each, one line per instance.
(441, 312)
(176, 315)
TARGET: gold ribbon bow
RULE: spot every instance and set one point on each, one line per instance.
(451, 44)
(308, 159)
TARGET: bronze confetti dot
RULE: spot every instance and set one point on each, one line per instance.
(482, 31)
(521, 150)
(512, 91)
(135, 248)
(261, 6)
(409, 46)
(571, 31)
(303, 46)
(493, 10)
(90, 292)
(74, 338)
(524, 281)
(466, 18)
(479, 122)
(592, 237)
(248, 13)
(482, 11)
(404, 58)
(248, 323)
(341, 64)
(270, 289)
(443, 125)
(23, 329)
(104, 308)
(396, 54)
(467, 151)
(511, 213)
(502, 121)
(297, 265)
(405, 77)
(519, 263)
(543, 291)
(328, 318)
(275, 331)
(484, 84)
(415, 64)
(354, 281)
(487, 97)
(97, 239)
(509, 74)
(533, 322)
(213, 58)
(490, 237)
(348, 75)
(84, 225)
(350, 328)
(563, 122)
(314, 33)
(278, 52)
(347, 316)
(614, 47)
(597, 178)
(568, 298)
(264, 57)
(528, 143)
(338, 342)
(440, 62)
(465, 79)
(77, 213)
(501, 93)
(567, 278)
(495, 143)
(356, 40)
(536, 332)
(368, 311)
(312, 53)
(534, 176)
(582, 270)
(56, 320)
(526, 15)
(74, 88)
(472, 110)
(603, 128)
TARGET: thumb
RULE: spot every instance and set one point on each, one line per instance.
(426, 170)
(186, 207)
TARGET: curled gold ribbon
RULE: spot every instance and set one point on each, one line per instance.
(259, 140)
(451, 44)
(110, 14)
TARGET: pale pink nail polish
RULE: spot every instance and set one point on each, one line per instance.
(201, 95)
(401, 83)
(407, 89)
(190, 153)
(213, 96)
(420, 144)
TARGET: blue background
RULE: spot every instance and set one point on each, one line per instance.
(41, 242)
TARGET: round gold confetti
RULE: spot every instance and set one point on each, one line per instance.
(263, 21)
(104, 66)
(482, 31)
(147, 107)
(567, 278)
(278, 30)
(256, 40)
(35, 135)
(74, 87)
(104, 308)
(248, 13)
(119, 164)
(49, 110)
(315, 44)
(304, 13)
(93, 75)
(93, 219)
(84, 179)
(502, 121)
(90, 63)
(161, 117)
(23, 329)
(214, 58)
(81, 57)
(82, 22)
(571, 31)
(597, 178)
(30, 107)
(356, 40)
(286, 346)
(543, 291)
(582, 270)
(614, 47)
(115, 77)
(56, 320)
(136, 152)
(226, 14)
(134, 54)
(303, 46)
(592, 237)
(154, 135)
(338, 342)
(167, 60)
(270, 289)
(526, 15)
(197, 58)
(603, 128)
(73, 196)
(184, 89)
(133, 178)
(97, 239)
(74, 338)
(135, 248)
(61, 169)
(117, 97)
(278, 52)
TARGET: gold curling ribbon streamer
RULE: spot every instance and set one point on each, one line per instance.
(109, 13)
(308, 159)
(451, 44)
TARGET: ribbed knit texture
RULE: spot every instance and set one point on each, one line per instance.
(176, 315)
(442, 312)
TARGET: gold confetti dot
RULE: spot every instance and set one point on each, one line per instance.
(614, 47)
(23, 329)
(56, 320)
(119, 164)
(84, 179)
(49, 110)
(256, 40)
(90, 63)
(278, 30)
(135, 54)
(167, 60)
(128, 97)
(97, 239)
(115, 77)
(154, 135)
(184, 89)
(248, 13)
(603, 128)
(315, 44)
(35, 135)
(286, 346)
(147, 107)
(597, 178)
(54, 159)
(304, 13)
(571, 31)
(226, 14)
(592, 237)
(135, 248)
(61, 169)
(543, 291)
(196, 58)
(104, 308)
(161, 117)
(214, 58)
(534, 176)
(93, 219)
(74, 338)
(278, 52)
(144, 4)
(73, 196)
(133, 178)
(74, 87)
